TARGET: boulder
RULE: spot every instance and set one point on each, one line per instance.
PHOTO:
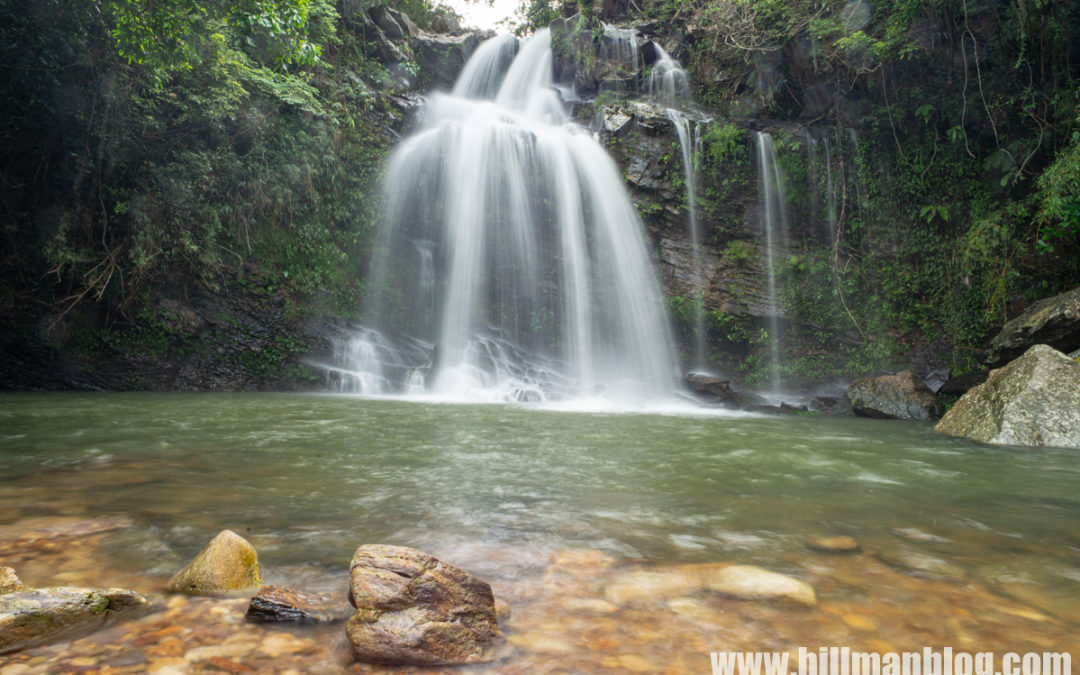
(1033, 401)
(227, 565)
(1053, 321)
(9, 581)
(747, 582)
(441, 58)
(274, 604)
(714, 390)
(388, 20)
(901, 396)
(380, 44)
(36, 616)
(412, 609)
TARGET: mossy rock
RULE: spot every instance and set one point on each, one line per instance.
(9, 581)
(228, 565)
(37, 616)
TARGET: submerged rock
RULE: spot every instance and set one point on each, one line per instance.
(1053, 321)
(901, 396)
(412, 609)
(228, 564)
(1033, 401)
(744, 582)
(37, 616)
(9, 581)
(747, 582)
(274, 604)
(922, 565)
(837, 544)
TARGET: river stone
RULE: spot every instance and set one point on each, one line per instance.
(1033, 401)
(36, 616)
(1052, 321)
(747, 582)
(744, 582)
(921, 565)
(412, 609)
(901, 396)
(9, 581)
(227, 565)
(836, 544)
(274, 604)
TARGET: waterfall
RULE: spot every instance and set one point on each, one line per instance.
(669, 86)
(690, 145)
(668, 82)
(510, 263)
(774, 223)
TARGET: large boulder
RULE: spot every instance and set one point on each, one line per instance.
(227, 565)
(714, 390)
(901, 396)
(35, 616)
(1053, 321)
(412, 609)
(441, 58)
(1033, 401)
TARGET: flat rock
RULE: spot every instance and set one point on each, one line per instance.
(744, 582)
(837, 544)
(226, 565)
(922, 565)
(36, 616)
(901, 396)
(274, 604)
(412, 609)
(747, 582)
(1033, 401)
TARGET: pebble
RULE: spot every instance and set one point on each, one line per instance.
(279, 644)
(227, 650)
(540, 642)
(588, 606)
(834, 545)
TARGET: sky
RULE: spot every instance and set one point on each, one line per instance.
(483, 13)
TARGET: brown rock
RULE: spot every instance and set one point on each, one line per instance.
(41, 615)
(412, 609)
(833, 545)
(274, 604)
(228, 564)
(9, 581)
(901, 396)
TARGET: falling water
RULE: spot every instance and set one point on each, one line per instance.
(510, 263)
(620, 45)
(774, 219)
(669, 86)
(668, 82)
(689, 143)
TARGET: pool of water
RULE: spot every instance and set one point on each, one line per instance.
(510, 491)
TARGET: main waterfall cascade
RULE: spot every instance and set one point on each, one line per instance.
(510, 263)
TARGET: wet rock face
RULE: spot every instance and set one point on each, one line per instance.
(901, 396)
(227, 565)
(1054, 321)
(36, 616)
(412, 609)
(1033, 401)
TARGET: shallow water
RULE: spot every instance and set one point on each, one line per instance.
(523, 495)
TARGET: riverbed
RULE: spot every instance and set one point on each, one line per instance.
(960, 544)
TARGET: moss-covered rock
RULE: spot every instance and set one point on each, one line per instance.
(901, 396)
(36, 616)
(1052, 321)
(1033, 401)
(227, 565)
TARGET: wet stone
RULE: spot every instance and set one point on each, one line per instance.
(227, 564)
(274, 604)
(9, 581)
(922, 565)
(838, 544)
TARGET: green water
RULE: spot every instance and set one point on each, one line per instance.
(311, 477)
